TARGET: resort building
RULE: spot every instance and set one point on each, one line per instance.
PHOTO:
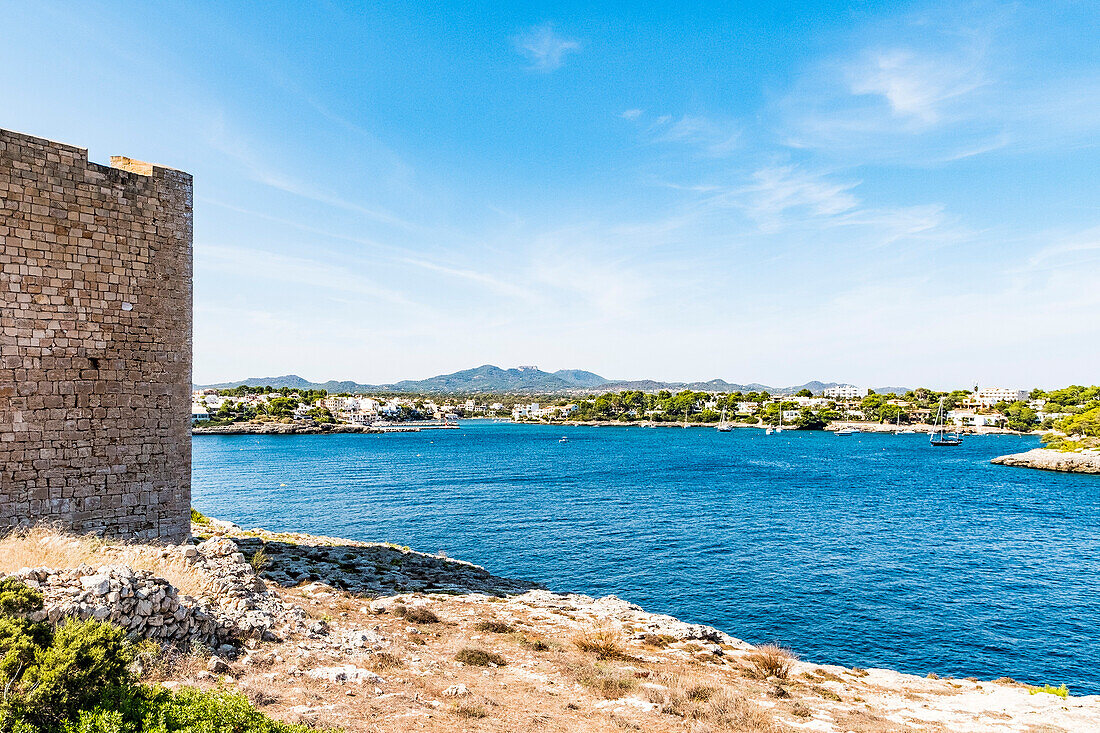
(845, 392)
(989, 396)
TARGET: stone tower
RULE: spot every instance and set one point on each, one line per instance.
(95, 342)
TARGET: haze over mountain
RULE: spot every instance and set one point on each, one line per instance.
(524, 380)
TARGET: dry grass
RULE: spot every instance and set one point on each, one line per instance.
(770, 660)
(610, 684)
(45, 546)
(603, 641)
(716, 708)
(660, 641)
(416, 614)
(468, 710)
(385, 660)
(534, 643)
(259, 695)
(495, 627)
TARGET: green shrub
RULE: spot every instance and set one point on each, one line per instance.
(76, 679)
(1062, 692)
(84, 661)
(198, 517)
(18, 597)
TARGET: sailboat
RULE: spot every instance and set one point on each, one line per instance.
(943, 438)
(723, 426)
(778, 428)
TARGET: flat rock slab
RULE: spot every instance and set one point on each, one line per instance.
(1053, 460)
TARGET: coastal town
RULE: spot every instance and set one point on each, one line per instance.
(1073, 410)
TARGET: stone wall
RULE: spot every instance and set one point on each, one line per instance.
(95, 341)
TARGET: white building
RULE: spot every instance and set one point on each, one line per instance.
(521, 411)
(534, 410)
(199, 413)
(989, 396)
(845, 392)
(966, 418)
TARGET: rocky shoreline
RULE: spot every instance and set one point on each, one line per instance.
(1053, 460)
(373, 636)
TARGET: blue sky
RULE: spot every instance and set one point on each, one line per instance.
(879, 193)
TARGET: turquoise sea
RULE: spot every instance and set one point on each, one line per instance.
(868, 550)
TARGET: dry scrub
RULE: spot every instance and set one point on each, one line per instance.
(770, 660)
(603, 641)
(610, 684)
(479, 657)
(717, 708)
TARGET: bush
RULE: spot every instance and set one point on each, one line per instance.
(76, 679)
(18, 597)
(495, 627)
(198, 517)
(479, 657)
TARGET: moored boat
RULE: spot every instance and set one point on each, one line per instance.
(723, 426)
(941, 438)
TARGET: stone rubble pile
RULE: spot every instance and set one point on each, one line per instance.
(142, 604)
(235, 604)
(241, 597)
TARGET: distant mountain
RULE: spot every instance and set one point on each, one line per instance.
(580, 377)
(526, 380)
(489, 378)
(293, 381)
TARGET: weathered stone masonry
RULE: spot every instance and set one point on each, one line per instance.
(95, 341)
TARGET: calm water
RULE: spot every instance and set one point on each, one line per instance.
(869, 550)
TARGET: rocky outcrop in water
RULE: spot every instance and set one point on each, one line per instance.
(1053, 460)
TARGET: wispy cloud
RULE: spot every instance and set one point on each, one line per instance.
(315, 276)
(260, 169)
(544, 48)
(917, 88)
(711, 136)
(478, 277)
